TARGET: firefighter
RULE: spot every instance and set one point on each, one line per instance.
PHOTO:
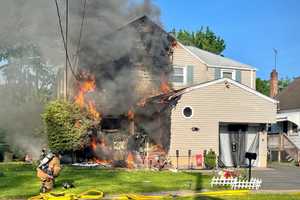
(48, 170)
(43, 154)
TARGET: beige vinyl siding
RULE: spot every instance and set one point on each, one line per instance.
(246, 76)
(211, 105)
(202, 73)
(211, 74)
(183, 58)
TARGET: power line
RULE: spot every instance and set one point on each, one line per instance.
(80, 32)
(63, 38)
(67, 28)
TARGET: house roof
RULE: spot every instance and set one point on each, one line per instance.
(138, 20)
(208, 58)
(214, 60)
(206, 84)
(289, 98)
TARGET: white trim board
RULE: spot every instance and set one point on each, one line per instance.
(233, 73)
(248, 89)
(230, 67)
(184, 76)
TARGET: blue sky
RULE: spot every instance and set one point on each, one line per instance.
(250, 28)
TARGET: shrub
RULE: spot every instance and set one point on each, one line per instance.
(210, 159)
(65, 125)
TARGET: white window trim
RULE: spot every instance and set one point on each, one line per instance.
(182, 112)
(184, 75)
(230, 71)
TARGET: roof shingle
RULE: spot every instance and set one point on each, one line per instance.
(290, 97)
(215, 60)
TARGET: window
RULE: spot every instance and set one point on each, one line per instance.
(179, 75)
(295, 129)
(226, 73)
(187, 112)
(292, 129)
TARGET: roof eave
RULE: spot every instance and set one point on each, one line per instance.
(232, 67)
(216, 66)
(202, 85)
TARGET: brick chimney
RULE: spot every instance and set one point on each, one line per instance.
(274, 84)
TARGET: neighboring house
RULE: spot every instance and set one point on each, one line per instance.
(288, 116)
(193, 65)
(219, 108)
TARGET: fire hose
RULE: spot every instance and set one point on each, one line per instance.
(96, 195)
(88, 195)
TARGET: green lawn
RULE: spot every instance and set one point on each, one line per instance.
(19, 180)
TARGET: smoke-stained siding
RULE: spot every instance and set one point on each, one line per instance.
(211, 105)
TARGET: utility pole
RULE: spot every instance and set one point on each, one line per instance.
(66, 67)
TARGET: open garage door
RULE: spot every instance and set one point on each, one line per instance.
(235, 141)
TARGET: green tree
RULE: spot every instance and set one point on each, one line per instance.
(204, 39)
(283, 83)
(66, 126)
(26, 74)
(26, 85)
(263, 86)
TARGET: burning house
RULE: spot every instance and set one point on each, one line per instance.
(117, 90)
(151, 97)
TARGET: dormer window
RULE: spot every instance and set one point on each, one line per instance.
(227, 73)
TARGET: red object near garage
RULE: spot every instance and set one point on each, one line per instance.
(199, 160)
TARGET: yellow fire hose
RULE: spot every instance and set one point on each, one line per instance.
(224, 193)
(53, 196)
(138, 197)
(91, 195)
(96, 195)
(208, 194)
(88, 195)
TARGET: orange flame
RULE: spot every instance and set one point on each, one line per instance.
(94, 144)
(164, 86)
(99, 161)
(92, 110)
(130, 161)
(130, 114)
(86, 86)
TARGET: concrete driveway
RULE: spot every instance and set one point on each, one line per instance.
(279, 177)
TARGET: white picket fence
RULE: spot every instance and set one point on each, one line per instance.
(235, 183)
